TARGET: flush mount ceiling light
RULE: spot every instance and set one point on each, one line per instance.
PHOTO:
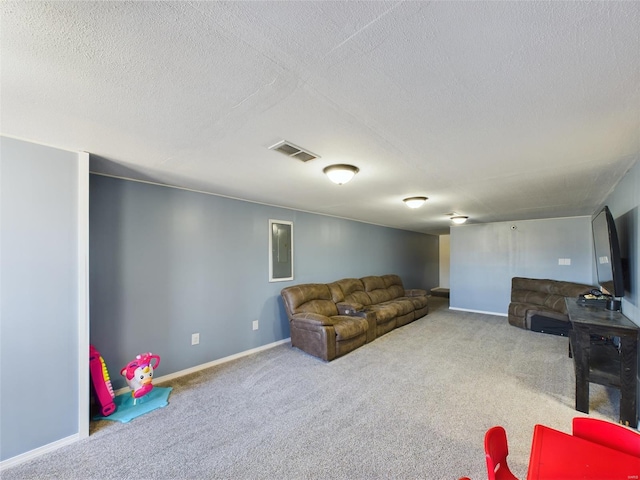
(459, 219)
(340, 174)
(415, 202)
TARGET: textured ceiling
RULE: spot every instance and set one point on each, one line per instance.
(495, 110)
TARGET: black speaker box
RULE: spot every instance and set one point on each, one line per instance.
(550, 325)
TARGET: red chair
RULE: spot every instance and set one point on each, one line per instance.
(609, 434)
(497, 450)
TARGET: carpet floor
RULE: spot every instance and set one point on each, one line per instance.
(413, 404)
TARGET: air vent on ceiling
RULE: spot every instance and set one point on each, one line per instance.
(291, 150)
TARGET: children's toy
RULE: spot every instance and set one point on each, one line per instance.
(103, 391)
(139, 373)
(128, 407)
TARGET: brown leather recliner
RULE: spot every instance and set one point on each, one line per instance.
(316, 324)
(329, 320)
(542, 298)
(416, 296)
(383, 300)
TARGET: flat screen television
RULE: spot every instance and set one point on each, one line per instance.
(607, 253)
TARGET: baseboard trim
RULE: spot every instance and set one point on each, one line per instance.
(36, 452)
(31, 454)
(197, 368)
(478, 311)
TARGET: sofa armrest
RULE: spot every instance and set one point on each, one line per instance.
(415, 292)
(315, 334)
(372, 323)
(345, 308)
(309, 319)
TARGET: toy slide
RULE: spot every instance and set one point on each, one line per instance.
(103, 391)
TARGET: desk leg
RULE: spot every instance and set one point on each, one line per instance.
(628, 374)
(581, 347)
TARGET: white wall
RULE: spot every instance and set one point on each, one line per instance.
(445, 260)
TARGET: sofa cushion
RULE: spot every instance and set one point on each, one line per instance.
(418, 292)
(394, 285)
(568, 289)
(518, 309)
(418, 302)
(310, 297)
(349, 327)
(535, 297)
(556, 303)
(403, 305)
(351, 291)
(531, 284)
(376, 289)
(543, 297)
(384, 311)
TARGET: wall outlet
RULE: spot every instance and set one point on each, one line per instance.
(195, 338)
(255, 324)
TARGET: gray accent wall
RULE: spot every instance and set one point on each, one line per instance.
(624, 204)
(167, 263)
(40, 286)
(485, 257)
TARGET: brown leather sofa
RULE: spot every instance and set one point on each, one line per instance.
(330, 320)
(382, 299)
(537, 301)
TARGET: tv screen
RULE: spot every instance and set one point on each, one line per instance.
(607, 252)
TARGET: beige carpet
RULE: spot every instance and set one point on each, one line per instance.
(414, 404)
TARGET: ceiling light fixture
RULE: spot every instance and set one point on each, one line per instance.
(341, 173)
(459, 219)
(415, 202)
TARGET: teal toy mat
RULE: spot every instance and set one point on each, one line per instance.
(128, 408)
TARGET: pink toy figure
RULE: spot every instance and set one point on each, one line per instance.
(101, 382)
(139, 374)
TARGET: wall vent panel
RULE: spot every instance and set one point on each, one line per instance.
(291, 150)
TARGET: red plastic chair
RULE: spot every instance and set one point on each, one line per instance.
(609, 434)
(497, 450)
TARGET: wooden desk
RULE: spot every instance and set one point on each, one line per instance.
(604, 364)
(556, 455)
